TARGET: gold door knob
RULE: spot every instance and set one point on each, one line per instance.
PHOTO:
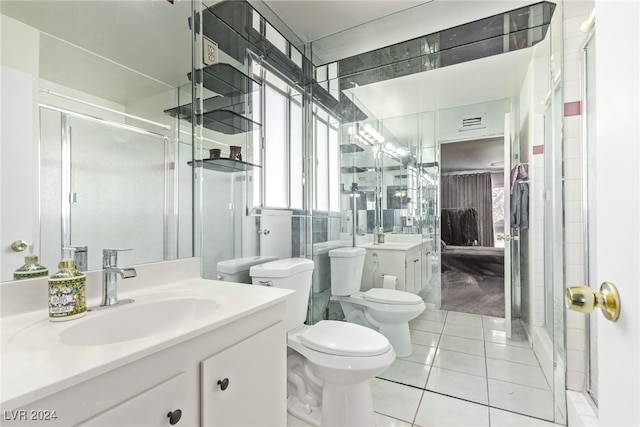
(19, 246)
(507, 237)
(585, 300)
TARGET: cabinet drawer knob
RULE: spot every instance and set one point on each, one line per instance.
(223, 384)
(174, 416)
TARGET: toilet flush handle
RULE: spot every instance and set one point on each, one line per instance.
(265, 282)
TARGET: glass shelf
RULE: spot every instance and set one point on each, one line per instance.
(353, 169)
(229, 23)
(225, 165)
(350, 148)
(222, 114)
(235, 104)
(228, 122)
(226, 80)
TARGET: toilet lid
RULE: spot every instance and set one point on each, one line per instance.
(344, 339)
(391, 296)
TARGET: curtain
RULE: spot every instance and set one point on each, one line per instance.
(471, 191)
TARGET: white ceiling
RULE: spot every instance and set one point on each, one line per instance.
(486, 79)
(315, 19)
(112, 41)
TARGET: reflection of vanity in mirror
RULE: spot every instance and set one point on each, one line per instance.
(89, 157)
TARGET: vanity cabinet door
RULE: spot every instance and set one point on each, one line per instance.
(413, 273)
(417, 272)
(162, 405)
(246, 385)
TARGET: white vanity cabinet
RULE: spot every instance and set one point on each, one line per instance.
(404, 262)
(242, 386)
(165, 404)
(142, 393)
(178, 385)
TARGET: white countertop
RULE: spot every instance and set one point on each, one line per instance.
(391, 246)
(35, 364)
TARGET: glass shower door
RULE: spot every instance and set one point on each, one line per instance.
(116, 190)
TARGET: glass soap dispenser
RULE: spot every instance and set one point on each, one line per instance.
(31, 268)
(66, 290)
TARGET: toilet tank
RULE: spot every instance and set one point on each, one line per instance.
(237, 270)
(322, 266)
(346, 270)
(294, 274)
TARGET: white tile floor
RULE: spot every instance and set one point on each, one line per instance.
(463, 372)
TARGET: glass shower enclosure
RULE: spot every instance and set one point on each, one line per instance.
(104, 185)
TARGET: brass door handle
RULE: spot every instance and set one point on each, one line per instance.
(585, 300)
(19, 246)
(507, 237)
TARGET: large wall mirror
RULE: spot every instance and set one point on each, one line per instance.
(463, 102)
(89, 156)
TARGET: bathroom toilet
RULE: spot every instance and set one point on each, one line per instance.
(237, 269)
(385, 310)
(329, 364)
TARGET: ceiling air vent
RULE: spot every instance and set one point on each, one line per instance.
(472, 122)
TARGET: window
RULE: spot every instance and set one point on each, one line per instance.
(327, 162)
(276, 156)
(295, 167)
(283, 151)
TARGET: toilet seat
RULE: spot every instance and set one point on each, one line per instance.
(344, 339)
(391, 296)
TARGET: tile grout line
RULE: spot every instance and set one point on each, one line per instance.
(486, 368)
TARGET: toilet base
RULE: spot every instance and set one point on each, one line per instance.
(399, 337)
(309, 414)
(347, 405)
(342, 406)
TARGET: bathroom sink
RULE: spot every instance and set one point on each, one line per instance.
(139, 319)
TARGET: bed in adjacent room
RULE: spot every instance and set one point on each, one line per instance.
(472, 275)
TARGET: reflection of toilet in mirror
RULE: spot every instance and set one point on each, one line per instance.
(274, 242)
(386, 310)
(237, 269)
(329, 364)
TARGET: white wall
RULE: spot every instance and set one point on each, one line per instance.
(18, 142)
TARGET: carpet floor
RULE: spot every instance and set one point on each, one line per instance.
(468, 293)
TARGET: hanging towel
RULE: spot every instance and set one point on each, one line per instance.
(520, 204)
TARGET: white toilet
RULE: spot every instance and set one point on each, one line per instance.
(237, 269)
(329, 364)
(386, 310)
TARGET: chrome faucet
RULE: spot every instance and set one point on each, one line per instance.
(110, 270)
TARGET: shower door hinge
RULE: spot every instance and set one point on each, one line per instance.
(73, 197)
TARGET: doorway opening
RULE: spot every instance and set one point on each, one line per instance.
(472, 191)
